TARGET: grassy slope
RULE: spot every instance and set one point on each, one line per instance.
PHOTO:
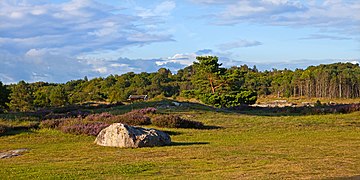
(247, 147)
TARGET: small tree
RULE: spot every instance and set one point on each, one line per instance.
(209, 69)
(58, 96)
(21, 98)
(4, 96)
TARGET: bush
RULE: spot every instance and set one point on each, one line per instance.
(229, 100)
(188, 93)
(92, 129)
(131, 118)
(99, 117)
(51, 123)
(94, 123)
(318, 103)
(175, 121)
(134, 117)
(149, 110)
(2, 129)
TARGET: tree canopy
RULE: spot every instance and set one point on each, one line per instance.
(205, 80)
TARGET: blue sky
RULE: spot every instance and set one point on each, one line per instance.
(61, 40)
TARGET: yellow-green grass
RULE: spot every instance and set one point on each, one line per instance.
(245, 147)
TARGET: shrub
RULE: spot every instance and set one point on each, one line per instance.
(2, 129)
(318, 103)
(229, 100)
(188, 93)
(93, 124)
(175, 121)
(51, 123)
(131, 118)
(134, 117)
(92, 129)
(99, 117)
(70, 114)
(149, 110)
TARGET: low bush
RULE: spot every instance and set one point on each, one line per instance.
(134, 117)
(2, 129)
(92, 129)
(131, 118)
(175, 121)
(229, 100)
(149, 110)
(51, 123)
(99, 117)
(93, 124)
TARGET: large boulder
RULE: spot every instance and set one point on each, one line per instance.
(122, 135)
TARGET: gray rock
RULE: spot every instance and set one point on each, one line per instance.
(122, 135)
(12, 153)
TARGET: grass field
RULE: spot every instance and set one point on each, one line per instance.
(242, 147)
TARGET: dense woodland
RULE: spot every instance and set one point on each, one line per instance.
(205, 80)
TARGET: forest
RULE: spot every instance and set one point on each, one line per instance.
(205, 80)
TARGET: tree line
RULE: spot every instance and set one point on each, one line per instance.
(205, 80)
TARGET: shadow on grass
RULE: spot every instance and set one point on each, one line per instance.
(17, 130)
(164, 105)
(175, 133)
(172, 133)
(188, 143)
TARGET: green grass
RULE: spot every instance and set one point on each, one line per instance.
(245, 147)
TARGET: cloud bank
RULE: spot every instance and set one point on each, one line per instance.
(41, 40)
(57, 41)
(331, 15)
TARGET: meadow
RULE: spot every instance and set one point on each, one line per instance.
(235, 145)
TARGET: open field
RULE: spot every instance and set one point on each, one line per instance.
(243, 146)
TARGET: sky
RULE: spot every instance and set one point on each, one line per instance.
(62, 40)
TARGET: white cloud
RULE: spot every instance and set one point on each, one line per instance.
(323, 36)
(40, 65)
(238, 44)
(339, 15)
(85, 24)
(42, 40)
(162, 9)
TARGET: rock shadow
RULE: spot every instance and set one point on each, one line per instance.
(188, 143)
(172, 133)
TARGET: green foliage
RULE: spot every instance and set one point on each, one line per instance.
(209, 75)
(2, 129)
(58, 96)
(21, 98)
(188, 93)
(318, 103)
(229, 100)
(4, 96)
(175, 121)
(205, 80)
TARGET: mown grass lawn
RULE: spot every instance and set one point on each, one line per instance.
(245, 147)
